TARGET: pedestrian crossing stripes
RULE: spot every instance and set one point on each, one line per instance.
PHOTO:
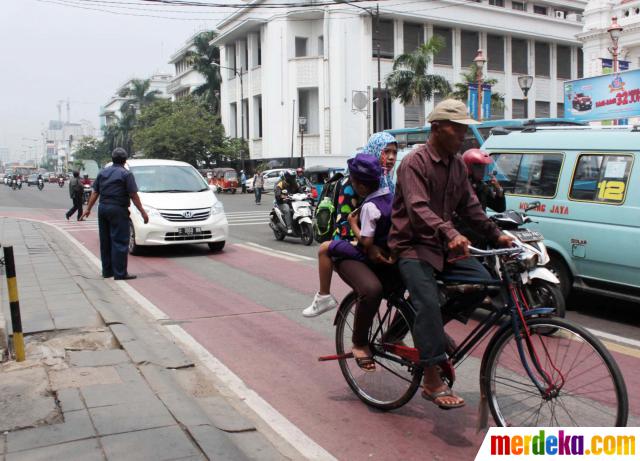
(248, 218)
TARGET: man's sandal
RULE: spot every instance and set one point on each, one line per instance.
(366, 363)
(432, 397)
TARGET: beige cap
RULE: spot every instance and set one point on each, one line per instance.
(452, 110)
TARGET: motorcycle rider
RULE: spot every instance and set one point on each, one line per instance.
(288, 183)
(301, 179)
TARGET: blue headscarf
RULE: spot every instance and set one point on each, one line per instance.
(375, 146)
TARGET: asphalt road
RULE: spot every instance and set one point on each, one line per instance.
(243, 306)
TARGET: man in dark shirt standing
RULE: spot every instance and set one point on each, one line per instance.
(75, 192)
(432, 185)
(115, 185)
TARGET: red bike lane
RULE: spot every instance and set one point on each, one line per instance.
(276, 356)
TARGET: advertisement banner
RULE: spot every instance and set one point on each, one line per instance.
(486, 101)
(606, 97)
(472, 102)
(607, 65)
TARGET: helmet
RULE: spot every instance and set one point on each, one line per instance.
(119, 154)
(476, 157)
(288, 176)
(299, 170)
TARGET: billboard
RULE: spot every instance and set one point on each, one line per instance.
(606, 97)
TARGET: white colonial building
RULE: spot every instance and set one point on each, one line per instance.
(596, 39)
(309, 61)
(186, 79)
(110, 112)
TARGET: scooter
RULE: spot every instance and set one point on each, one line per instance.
(19, 183)
(61, 182)
(40, 183)
(541, 286)
(86, 193)
(302, 218)
(14, 184)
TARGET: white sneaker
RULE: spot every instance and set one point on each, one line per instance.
(320, 305)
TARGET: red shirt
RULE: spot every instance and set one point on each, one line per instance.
(430, 188)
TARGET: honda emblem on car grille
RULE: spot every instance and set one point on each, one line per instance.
(187, 214)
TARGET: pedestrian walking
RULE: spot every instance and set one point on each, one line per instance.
(116, 187)
(76, 190)
(258, 185)
(243, 181)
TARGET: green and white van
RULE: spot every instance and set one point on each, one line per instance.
(587, 180)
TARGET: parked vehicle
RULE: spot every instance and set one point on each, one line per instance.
(271, 178)
(318, 175)
(587, 180)
(302, 218)
(225, 180)
(581, 102)
(182, 208)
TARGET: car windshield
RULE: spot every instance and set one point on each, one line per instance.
(168, 178)
(230, 175)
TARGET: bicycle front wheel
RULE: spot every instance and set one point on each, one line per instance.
(588, 388)
(395, 380)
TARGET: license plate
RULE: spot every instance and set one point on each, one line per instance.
(188, 230)
(529, 236)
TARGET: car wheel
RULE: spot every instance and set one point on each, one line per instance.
(557, 266)
(134, 249)
(216, 246)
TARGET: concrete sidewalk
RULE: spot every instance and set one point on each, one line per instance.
(101, 379)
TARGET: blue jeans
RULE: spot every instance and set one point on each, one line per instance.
(258, 192)
(113, 226)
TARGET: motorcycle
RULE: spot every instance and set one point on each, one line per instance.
(19, 183)
(40, 183)
(61, 182)
(302, 217)
(14, 184)
(540, 286)
(86, 193)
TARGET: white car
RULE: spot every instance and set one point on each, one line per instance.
(182, 208)
(271, 178)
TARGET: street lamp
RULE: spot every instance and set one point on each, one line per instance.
(302, 123)
(615, 30)
(525, 82)
(239, 74)
(479, 61)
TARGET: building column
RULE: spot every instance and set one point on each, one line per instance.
(553, 90)
(428, 33)
(531, 101)
(397, 109)
(508, 79)
(456, 44)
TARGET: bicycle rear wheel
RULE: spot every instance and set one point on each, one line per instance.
(590, 388)
(395, 380)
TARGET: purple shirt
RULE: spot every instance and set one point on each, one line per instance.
(429, 189)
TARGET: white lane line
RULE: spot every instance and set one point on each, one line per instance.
(282, 253)
(276, 420)
(240, 213)
(615, 338)
(292, 258)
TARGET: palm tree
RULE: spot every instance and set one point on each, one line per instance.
(203, 59)
(461, 90)
(138, 96)
(409, 80)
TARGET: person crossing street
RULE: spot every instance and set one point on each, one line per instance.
(116, 187)
(76, 190)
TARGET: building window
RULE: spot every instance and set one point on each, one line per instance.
(245, 54)
(542, 109)
(412, 115)
(542, 60)
(445, 56)
(321, 46)
(496, 2)
(563, 62)
(529, 174)
(469, 40)
(259, 49)
(301, 47)
(245, 114)
(231, 60)
(413, 36)
(580, 63)
(383, 37)
(519, 6)
(537, 9)
(256, 50)
(519, 56)
(495, 52)
(233, 120)
(518, 108)
(308, 107)
(601, 178)
(386, 111)
(560, 109)
(257, 116)
(497, 113)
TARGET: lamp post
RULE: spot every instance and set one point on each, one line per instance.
(525, 82)
(615, 30)
(302, 123)
(239, 74)
(479, 61)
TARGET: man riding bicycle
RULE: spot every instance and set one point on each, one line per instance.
(432, 185)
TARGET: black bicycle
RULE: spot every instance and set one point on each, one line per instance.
(536, 370)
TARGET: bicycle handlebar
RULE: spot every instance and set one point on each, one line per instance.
(477, 252)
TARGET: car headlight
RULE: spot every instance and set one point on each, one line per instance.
(217, 208)
(152, 212)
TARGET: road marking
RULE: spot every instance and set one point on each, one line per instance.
(292, 258)
(282, 253)
(240, 213)
(276, 420)
(619, 339)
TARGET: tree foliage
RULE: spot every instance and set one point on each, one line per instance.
(410, 82)
(204, 57)
(461, 90)
(182, 130)
(91, 148)
(138, 96)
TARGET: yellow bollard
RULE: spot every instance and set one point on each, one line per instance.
(14, 304)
